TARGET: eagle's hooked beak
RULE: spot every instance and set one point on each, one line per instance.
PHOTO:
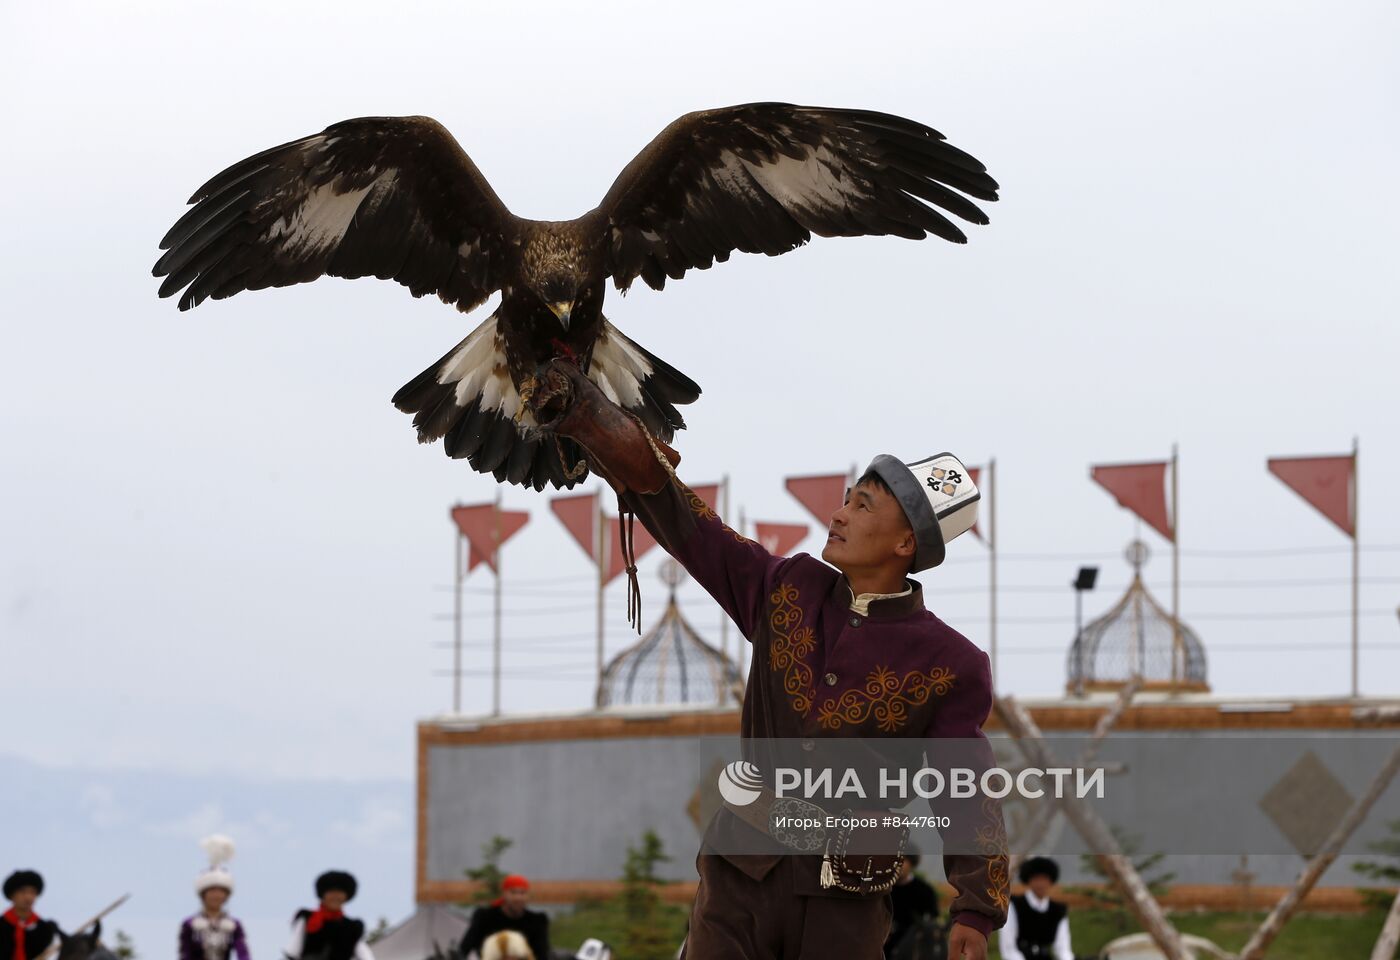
(561, 310)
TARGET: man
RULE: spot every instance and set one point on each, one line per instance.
(326, 933)
(509, 911)
(912, 900)
(212, 934)
(1037, 928)
(23, 933)
(844, 652)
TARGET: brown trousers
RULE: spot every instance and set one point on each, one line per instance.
(736, 917)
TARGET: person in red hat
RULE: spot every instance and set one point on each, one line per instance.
(509, 911)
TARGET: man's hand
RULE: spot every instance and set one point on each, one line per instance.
(965, 943)
(619, 449)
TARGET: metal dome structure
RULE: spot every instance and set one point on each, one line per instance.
(1137, 638)
(672, 664)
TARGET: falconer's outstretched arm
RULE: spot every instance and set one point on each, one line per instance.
(736, 571)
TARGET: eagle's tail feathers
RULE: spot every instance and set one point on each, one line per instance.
(467, 400)
(638, 380)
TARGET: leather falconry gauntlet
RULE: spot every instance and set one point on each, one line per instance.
(619, 448)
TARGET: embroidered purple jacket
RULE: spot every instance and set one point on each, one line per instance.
(206, 938)
(818, 669)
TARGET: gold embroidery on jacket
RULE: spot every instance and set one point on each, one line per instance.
(698, 506)
(791, 645)
(885, 697)
(702, 510)
(991, 841)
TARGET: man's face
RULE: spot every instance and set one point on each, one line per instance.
(868, 531)
(1040, 884)
(24, 899)
(214, 899)
(333, 900)
(515, 900)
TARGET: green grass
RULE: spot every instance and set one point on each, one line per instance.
(604, 919)
(1308, 936)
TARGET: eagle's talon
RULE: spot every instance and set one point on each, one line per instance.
(527, 393)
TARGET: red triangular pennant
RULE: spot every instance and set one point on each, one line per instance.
(1142, 488)
(822, 496)
(1325, 482)
(578, 513)
(779, 538)
(487, 529)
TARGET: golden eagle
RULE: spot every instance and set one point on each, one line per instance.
(397, 198)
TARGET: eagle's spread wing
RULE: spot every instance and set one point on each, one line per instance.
(764, 177)
(392, 197)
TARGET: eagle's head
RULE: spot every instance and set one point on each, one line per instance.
(554, 271)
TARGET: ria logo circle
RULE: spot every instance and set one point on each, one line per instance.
(740, 782)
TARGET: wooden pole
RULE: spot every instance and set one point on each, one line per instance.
(496, 609)
(54, 947)
(600, 542)
(1045, 816)
(1119, 868)
(456, 621)
(1178, 658)
(1390, 934)
(1258, 944)
(1355, 571)
(724, 515)
(992, 544)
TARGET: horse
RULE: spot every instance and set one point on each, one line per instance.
(85, 946)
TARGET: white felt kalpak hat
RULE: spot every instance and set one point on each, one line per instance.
(938, 497)
(220, 850)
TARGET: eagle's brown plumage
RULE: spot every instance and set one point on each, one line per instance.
(397, 198)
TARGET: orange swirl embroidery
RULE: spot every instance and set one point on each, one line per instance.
(702, 510)
(699, 507)
(991, 841)
(886, 697)
(790, 647)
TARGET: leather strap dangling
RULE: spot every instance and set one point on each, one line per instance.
(626, 536)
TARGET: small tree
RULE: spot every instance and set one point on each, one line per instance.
(380, 928)
(489, 875)
(125, 949)
(643, 938)
(1388, 872)
(1106, 896)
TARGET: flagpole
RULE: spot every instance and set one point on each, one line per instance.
(723, 617)
(496, 611)
(1176, 575)
(457, 621)
(600, 545)
(1355, 569)
(741, 662)
(992, 542)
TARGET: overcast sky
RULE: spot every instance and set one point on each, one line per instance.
(223, 550)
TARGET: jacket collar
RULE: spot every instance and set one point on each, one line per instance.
(885, 607)
(1037, 904)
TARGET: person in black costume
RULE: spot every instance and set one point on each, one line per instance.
(326, 933)
(23, 933)
(1037, 928)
